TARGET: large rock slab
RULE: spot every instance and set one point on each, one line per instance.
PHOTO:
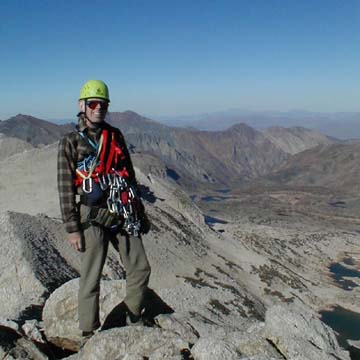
(354, 343)
(298, 334)
(60, 314)
(11, 145)
(178, 325)
(248, 341)
(214, 349)
(251, 341)
(30, 265)
(133, 343)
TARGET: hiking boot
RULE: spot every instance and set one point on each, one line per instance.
(85, 336)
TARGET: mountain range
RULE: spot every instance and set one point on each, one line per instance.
(342, 125)
(334, 166)
(237, 154)
(33, 130)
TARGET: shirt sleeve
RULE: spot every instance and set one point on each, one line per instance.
(66, 173)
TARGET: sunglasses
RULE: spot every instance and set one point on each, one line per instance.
(92, 104)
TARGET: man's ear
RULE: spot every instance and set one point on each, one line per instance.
(82, 105)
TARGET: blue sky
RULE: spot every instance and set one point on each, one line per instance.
(180, 57)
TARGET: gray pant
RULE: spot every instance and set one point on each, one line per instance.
(133, 257)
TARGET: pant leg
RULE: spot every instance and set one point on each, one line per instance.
(92, 262)
(134, 259)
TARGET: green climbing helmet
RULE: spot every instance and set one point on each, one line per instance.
(94, 89)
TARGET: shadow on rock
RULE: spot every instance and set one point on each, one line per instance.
(153, 305)
(31, 312)
(147, 194)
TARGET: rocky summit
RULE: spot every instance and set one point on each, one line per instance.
(237, 273)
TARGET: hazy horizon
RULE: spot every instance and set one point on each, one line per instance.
(344, 125)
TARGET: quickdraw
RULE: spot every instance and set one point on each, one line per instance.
(123, 202)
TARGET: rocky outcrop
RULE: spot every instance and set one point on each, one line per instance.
(60, 314)
(290, 332)
(15, 345)
(25, 350)
(214, 349)
(134, 343)
(30, 266)
(10, 146)
(298, 334)
(354, 348)
(32, 331)
(178, 325)
(354, 344)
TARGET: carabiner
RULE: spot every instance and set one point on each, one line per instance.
(109, 178)
(87, 189)
(102, 182)
(110, 205)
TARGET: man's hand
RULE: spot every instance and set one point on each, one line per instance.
(75, 240)
(145, 224)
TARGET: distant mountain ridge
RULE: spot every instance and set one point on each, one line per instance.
(33, 130)
(342, 125)
(296, 139)
(239, 153)
(334, 166)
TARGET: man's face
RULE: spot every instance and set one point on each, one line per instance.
(95, 109)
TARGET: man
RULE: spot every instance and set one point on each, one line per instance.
(94, 162)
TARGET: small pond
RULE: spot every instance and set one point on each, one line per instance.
(339, 272)
(345, 322)
(212, 220)
(341, 204)
(213, 198)
(223, 191)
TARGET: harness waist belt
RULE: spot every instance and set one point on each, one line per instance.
(101, 203)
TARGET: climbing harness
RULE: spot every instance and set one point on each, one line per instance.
(100, 167)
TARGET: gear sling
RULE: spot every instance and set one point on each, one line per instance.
(101, 171)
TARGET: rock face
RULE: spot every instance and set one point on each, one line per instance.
(325, 166)
(289, 332)
(299, 335)
(25, 350)
(133, 343)
(30, 266)
(179, 326)
(296, 139)
(60, 314)
(10, 146)
(214, 349)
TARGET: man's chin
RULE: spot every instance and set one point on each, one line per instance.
(98, 120)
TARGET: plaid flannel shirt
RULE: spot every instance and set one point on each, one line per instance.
(74, 148)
